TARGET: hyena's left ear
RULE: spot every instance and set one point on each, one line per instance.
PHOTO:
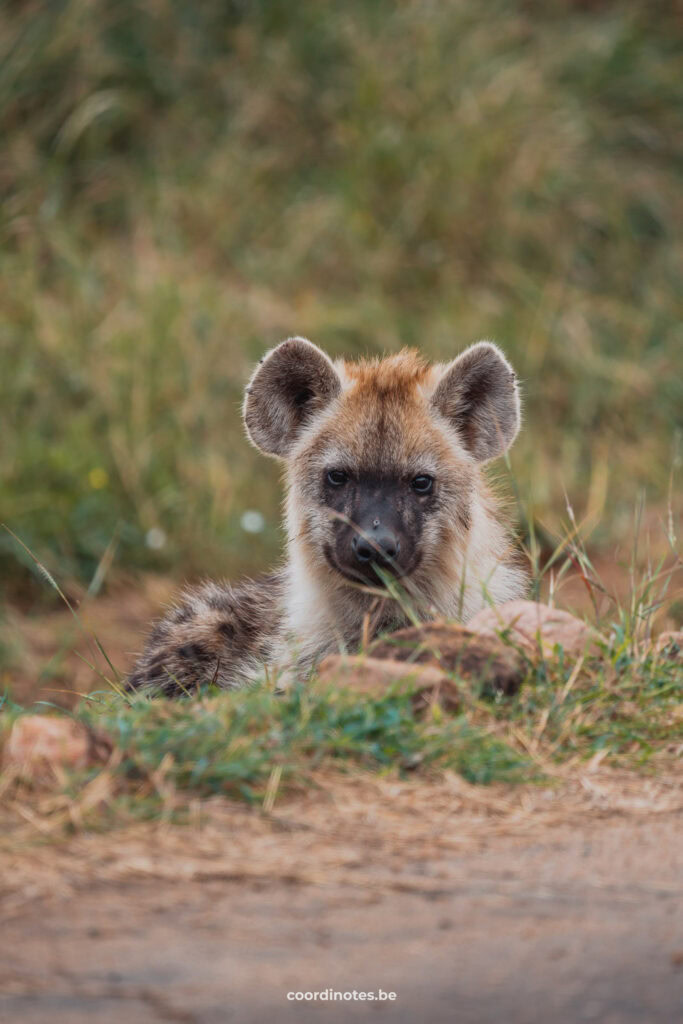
(478, 395)
(293, 382)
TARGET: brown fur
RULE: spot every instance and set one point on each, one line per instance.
(215, 634)
(380, 425)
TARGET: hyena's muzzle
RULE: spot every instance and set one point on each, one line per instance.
(376, 523)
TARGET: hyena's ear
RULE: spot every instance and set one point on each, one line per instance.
(478, 394)
(292, 383)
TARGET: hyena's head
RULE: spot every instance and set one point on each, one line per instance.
(382, 456)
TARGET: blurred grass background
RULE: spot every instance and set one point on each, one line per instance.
(184, 184)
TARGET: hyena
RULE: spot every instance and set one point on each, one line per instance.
(385, 494)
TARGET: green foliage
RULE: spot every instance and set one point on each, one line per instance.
(183, 184)
(232, 743)
(620, 705)
(254, 745)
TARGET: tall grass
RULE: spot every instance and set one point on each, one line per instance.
(184, 184)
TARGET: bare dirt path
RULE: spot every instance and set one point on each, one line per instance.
(472, 904)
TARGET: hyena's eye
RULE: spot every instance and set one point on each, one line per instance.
(337, 477)
(422, 484)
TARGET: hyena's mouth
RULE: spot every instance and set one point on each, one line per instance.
(351, 575)
(369, 578)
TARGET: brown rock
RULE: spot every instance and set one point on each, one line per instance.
(459, 650)
(38, 744)
(372, 676)
(536, 628)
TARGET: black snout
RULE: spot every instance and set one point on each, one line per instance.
(379, 544)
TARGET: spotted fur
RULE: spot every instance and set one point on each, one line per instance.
(380, 425)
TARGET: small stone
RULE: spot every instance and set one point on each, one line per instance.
(373, 676)
(39, 743)
(536, 628)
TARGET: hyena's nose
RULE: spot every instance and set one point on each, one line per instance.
(379, 545)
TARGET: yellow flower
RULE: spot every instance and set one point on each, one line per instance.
(98, 478)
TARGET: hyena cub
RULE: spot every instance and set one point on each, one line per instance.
(382, 462)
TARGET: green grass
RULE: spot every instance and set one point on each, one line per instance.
(621, 702)
(232, 744)
(241, 745)
(623, 707)
(184, 184)
(255, 746)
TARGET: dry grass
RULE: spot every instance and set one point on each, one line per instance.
(184, 185)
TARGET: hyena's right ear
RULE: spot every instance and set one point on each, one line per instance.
(292, 383)
(478, 395)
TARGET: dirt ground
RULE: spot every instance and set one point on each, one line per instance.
(472, 904)
(54, 655)
(520, 905)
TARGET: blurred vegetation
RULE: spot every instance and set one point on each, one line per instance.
(183, 184)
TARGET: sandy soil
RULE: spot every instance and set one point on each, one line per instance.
(472, 904)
